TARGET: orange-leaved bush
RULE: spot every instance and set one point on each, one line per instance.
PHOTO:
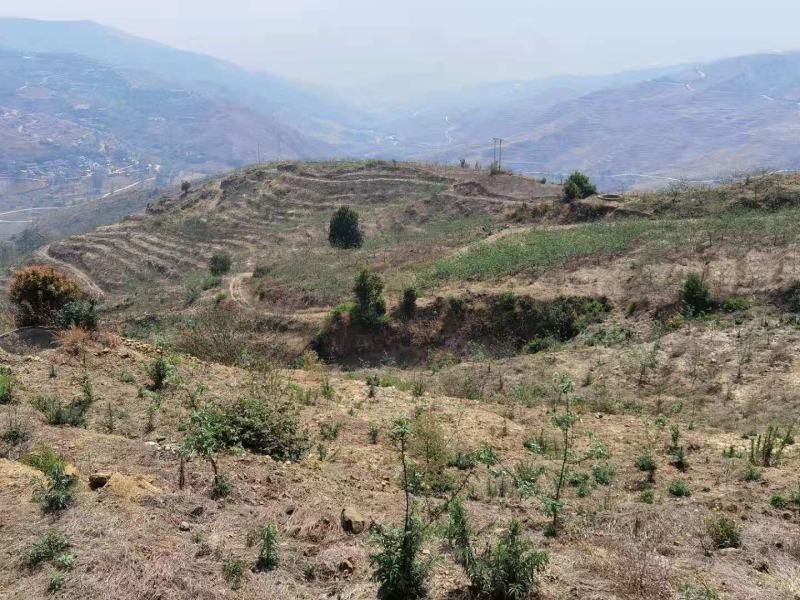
(39, 292)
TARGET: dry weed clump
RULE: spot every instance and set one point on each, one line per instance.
(724, 532)
(109, 339)
(637, 567)
(73, 340)
(226, 334)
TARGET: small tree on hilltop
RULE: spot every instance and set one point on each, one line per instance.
(344, 231)
(695, 296)
(569, 456)
(219, 263)
(206, 434)
(370, 305)
(39, 293)
(572, 191)
(578, 186)
(408, 302)
(185, 187)
(268, 553)
(399, 565)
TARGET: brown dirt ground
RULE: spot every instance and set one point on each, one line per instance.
(128, 543)
(140, 537)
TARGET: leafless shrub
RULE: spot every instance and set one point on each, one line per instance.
(72, 340)
(461, 383)
(639, 570)
(224, 334)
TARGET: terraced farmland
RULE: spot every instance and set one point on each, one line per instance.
(273, 213)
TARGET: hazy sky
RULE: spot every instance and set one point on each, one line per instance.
(412, 43)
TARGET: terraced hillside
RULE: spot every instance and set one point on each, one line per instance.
(447, 231)
(276, 215)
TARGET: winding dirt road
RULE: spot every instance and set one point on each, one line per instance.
(309, 317)
(88, 284)
(235, 289)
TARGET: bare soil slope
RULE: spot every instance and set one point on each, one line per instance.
(493, 257)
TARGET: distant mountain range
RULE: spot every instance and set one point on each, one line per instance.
(694, 122)
(297, 104)
(97, 109)
(65, 106)
(86, 111)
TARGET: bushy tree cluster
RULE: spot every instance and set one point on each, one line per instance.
(507, 571)
(578, 186)
(262, 422)
(79, 313)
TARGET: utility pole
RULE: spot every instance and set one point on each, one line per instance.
(498, 152)
(500, 159)
(258, 151)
